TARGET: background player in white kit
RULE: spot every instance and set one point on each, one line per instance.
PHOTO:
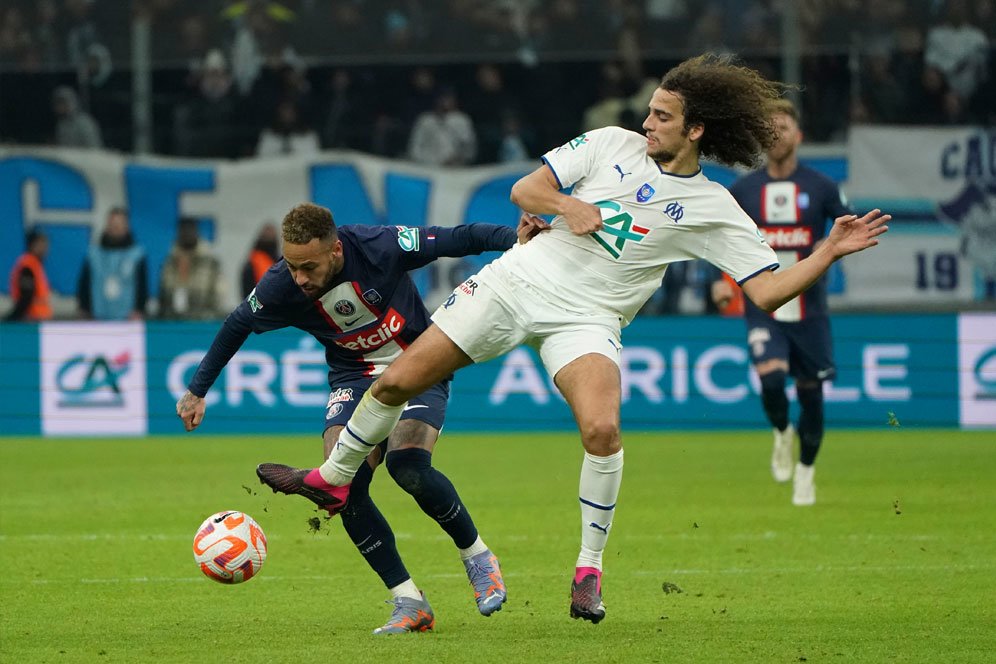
(638, 203)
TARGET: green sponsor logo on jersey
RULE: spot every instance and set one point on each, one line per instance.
(254, 302)
(617, 230)
(408, 238)
(574, 143)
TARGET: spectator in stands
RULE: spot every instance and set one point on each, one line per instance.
(74, 127)
(264, 253)
(81, 30)
(514, 143)
(420, 97)
(15, 36)
(489, 105)
(190, 282)
(206, 126)
(882, 98)
(342, 126)
(113, 283)
(445, 135)
(939, 104)
(260, 33)
(28, 283)
(958, 49)
(288, 134)
(611, 99)
(907, 68)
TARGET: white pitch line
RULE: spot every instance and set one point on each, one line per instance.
(663, 573)
(699, 534)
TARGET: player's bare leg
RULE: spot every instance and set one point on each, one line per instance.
(591, 384)
(432, 357)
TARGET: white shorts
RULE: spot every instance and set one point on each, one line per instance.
(491, 313)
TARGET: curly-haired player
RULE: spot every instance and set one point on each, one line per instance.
(639, 202)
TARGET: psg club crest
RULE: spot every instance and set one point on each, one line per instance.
(345, 308)
(645, 193)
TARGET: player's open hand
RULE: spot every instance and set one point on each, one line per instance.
(530, 226)
(190, 409)
(852, 233)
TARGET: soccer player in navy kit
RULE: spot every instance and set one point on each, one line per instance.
(349, 288)
(792, 205)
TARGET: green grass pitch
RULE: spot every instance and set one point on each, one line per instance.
(895, 563)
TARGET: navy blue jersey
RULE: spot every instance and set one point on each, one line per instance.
(371, 313)
(793, 215)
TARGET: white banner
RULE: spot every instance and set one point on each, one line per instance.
(66, 189)
(931, 163)
(977, 370)
(909, 268)
(940, 185)
(921, 175)
(93, 378)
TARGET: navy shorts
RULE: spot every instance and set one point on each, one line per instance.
(805, 345)
(428, 407)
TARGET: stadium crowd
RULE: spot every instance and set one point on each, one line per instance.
(499, 79)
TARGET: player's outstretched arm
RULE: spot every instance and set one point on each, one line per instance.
(190, 409)
(233, 333)
(850, 234)
(539, 193)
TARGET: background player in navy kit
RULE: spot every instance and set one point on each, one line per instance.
(792, 205)
(349, 288)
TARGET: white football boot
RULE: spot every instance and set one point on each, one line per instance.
(803, 488)
(781, 454)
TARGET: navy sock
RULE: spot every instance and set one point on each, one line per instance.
(810, 421)
(370, 532)
(412, 469)
(774, 400)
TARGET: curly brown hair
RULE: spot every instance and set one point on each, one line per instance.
(307, 221)
(733, 102)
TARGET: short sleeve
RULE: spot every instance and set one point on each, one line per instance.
(579, 156)
(738, 248)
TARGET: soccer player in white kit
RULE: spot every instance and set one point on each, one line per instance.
(639, 202)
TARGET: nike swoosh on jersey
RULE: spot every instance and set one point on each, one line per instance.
(413, 407)
(352, 322)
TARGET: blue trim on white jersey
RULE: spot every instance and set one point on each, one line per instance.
(675, 175)
(773, 266)
(554, 171)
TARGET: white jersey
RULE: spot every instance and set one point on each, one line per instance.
(651, 218)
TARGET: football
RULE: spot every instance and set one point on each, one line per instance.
(230, 547)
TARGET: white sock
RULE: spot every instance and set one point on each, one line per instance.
(406, 589)
(477, 547)
(371, 423)
(599, 487)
